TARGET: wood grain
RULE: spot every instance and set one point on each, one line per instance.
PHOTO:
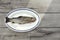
(55, 6)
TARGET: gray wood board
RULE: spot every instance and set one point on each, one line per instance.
(50, 22)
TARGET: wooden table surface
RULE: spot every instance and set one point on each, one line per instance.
(49, 29)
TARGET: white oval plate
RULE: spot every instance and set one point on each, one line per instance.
(23, 27)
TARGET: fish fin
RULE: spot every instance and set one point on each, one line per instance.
(7, 19)
(19, 16)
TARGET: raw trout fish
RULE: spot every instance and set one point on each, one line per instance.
(21, 19)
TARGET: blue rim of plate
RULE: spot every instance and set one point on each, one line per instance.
(28, 29)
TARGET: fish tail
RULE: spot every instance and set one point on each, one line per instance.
(7, 19)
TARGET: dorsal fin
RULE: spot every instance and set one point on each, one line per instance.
(19, 16)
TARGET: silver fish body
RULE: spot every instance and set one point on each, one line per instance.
(21, 19)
